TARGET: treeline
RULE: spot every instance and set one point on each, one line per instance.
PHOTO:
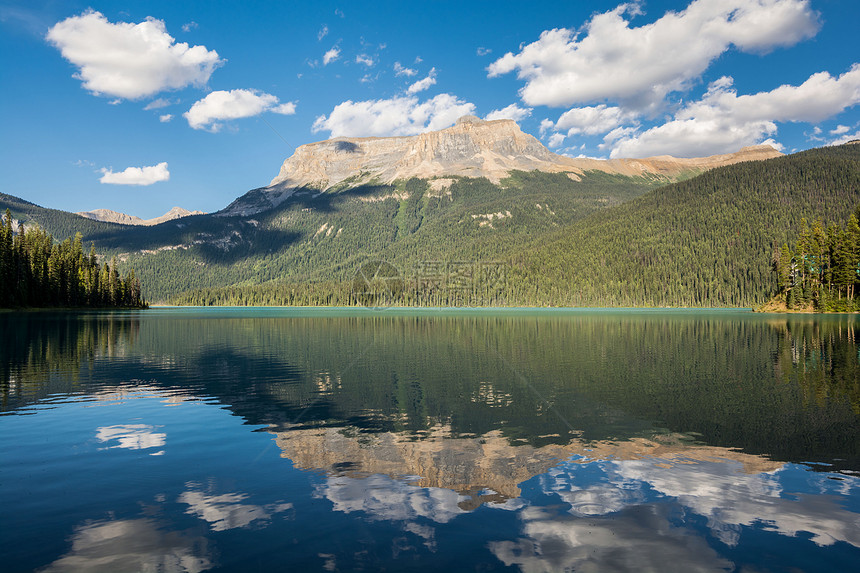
(36, 272)
(822, 269)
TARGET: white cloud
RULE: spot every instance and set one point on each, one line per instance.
(234, 104)
(840, 129)
(322, 33)
(165, 118)
(331, 55)
(400, 70)
(136, 176)
(395, 116)
(130, 61)
(365, 60)
(555, 140)
(187, 27)
(723, 121)
(482, 51)
(592, 120)
(159, 103)
(845, 138)
(639, 66)
(424, 84)
(512, 111)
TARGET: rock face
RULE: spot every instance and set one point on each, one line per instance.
(109, 216)
(470, 148)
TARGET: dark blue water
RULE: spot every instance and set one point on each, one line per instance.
(270, 440)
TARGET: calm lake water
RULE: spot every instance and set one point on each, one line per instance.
(341, 440)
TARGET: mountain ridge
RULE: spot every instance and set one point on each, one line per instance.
(470, 148)
(109, 216)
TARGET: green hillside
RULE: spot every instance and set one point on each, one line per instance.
(708, 241)
(315, 236)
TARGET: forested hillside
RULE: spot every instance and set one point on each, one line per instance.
(708, 241)
(316, 237)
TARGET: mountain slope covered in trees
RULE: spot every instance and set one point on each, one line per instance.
(325, 236)
(708, 241)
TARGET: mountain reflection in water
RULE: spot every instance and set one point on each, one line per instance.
(253, 439)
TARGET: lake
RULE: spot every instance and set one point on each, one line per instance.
(189, 439)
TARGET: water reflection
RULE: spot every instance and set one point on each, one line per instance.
(642, 538)
(133, 545)
(584, 441)
(226, 511)
(132, 437)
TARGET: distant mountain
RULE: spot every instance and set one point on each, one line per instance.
(470, 148)
(109, 216)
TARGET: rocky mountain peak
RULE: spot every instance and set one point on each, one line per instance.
(472, 147)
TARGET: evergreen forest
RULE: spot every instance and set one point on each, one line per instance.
(37, 272)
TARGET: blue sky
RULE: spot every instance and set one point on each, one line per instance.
(140, 106)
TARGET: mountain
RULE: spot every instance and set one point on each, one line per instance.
(470, 148)
(336, 205)
(109, 216)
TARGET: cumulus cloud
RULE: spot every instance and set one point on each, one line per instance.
(401, 70)
(331, 55)
(424, 84)
(609, 59)
(188, 26)
(512, 111)
(482, 51)
(208, 112)
(136, 175)
(592, 120)
(396, 116)
(165, 118)
(722, 121)
(364, 59)
(127, 60)
(555, 140)
(840, 129)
